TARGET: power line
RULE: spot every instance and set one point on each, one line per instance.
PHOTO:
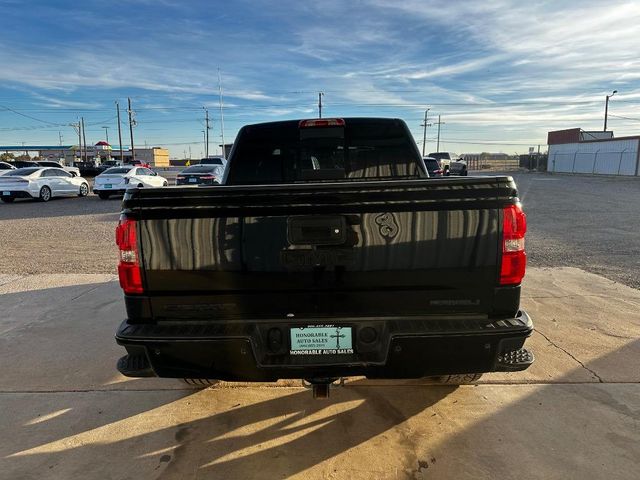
(32, 118)
(482, 142)
(626, 118)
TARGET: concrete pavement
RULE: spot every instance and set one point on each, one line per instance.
(66, 413)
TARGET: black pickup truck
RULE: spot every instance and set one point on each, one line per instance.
(328, 252)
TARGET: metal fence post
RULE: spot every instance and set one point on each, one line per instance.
(595, 160)
(573, 168)
(620, 161)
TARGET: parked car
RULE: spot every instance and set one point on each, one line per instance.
(6, 167)
(213, 161)
(433, 167)
(49, 163)
(139, 163)
(201, 175)
(24, 164)
(117, 180)
(327, 253)
(451, 163)
(43, 183)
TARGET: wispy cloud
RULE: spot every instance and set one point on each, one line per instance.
(497, 66)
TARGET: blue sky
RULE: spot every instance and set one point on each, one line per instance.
(501, 73)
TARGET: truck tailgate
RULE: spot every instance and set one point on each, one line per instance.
(351, 249)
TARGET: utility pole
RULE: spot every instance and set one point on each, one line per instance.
(84, 140)
(189, 152)
(204, 139)
(61, 151)
(320, 95)
(424, 134)
(131, 122)
(224, 153)
(439, 123)
(106, 133)
(606, 108)
(207, 128)
(76, 127)
(119, 133)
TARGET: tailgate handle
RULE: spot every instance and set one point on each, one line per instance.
(317, 230)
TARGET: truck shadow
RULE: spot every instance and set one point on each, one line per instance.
(276, 437)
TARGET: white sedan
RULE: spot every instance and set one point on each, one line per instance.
(41, 183)
(6, 168)
(117, 180)
(50, 163)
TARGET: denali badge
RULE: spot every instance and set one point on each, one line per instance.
(387, 225)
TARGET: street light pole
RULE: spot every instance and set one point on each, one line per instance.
(606, 108)
(106, 133)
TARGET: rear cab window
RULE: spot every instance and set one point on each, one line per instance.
(361, 149)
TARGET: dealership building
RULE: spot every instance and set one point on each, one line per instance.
(578, 151)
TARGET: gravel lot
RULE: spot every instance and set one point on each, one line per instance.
(580, 221)
(586, 222)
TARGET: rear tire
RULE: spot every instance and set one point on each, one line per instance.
(103, 195)
(45, 194)
(164, 184)
(199, 382)
(8, 199)
(464, 172)
(84, 190)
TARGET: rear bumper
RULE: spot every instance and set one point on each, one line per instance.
(243, 351)
(17, 193)
(112, 191)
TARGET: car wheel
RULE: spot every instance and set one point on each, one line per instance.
(45, 194)
(84, 190)
(8, 199)
(164, 184)
(103, 195)
(464, 172)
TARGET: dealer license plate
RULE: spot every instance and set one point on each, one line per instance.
(193, 180)
(321, 340)
(6, 193)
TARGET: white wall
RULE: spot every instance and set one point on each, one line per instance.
(614, 157)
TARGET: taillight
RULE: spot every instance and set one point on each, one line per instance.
(180, 177)
(322, 122)
(514, 258)
(129, 265)
(208, 177)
